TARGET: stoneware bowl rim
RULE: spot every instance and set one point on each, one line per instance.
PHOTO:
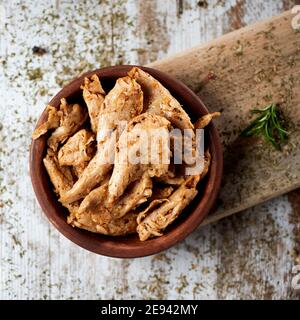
(128, 247)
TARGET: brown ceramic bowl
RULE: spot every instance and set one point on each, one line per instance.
(129, 246)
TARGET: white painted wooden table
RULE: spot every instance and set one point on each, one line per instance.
(249, 255)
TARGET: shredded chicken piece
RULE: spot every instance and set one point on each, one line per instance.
(152, 205)
(96, 200)
(61, 177)
(161, 213)
(96, 215)
(205, 120)
(175, 175)
(116, 227)
(122, 103)
(159, 101)
(77, 151)
(95, 172)
(93, 95)
(52, 122)
(158, 219)
(171, 178)
(193, 166)
(72, 118)
(135, 195)
(131, 140)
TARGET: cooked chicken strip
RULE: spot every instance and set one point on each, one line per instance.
(194, 164)
(61, 177)
(117, 227)
(135, 195)
(152, 205)
(205, 120)
(141, 131)
(92, 175)
(160, 218)
(77, 151)
(93, 95)
(97, 215)
(72, 118)
(52, 122)
(171, 178)
(158, 100)
(122, 103)
(161, 213)
(96, 200)
(177, 178)
(94, 216)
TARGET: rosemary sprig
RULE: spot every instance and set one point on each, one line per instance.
(268, 125)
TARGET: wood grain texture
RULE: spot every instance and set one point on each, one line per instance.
(36, 261)
(242, 70)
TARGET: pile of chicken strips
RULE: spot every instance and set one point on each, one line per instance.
(87, 157)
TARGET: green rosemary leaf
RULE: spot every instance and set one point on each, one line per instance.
(268, 124)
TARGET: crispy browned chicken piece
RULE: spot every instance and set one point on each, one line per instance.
(52, 122)
(61, 177)
(93, 95)
(72, 118)
(161, 213)
(122, 103)
(159, 101)
(141, 131)
(77, 151)
(96, 200)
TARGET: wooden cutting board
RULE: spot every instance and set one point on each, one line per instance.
(248, 68)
